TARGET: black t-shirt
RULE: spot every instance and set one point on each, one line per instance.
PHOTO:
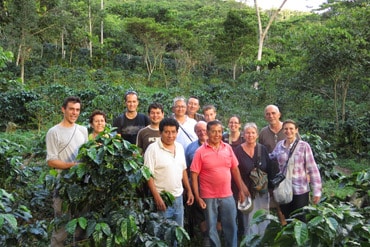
(128, 128)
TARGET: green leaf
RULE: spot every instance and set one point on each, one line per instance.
(181, 234)
(133, 164)
(146, 172)
(315, 221)
(91, 153)
(71, 226)
(10, 219)
(106, 229)
(168, 198)
(110, 149)
(99, 156)
(82, 222)
(300, 232)
(81, 170)
(332, 223)
(90, 227)
(117, 144)
(6, 194)
(127, 166)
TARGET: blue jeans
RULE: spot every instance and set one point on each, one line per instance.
(176, 211)
(225, 209)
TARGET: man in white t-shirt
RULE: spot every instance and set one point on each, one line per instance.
(165, 159)
(62, 144)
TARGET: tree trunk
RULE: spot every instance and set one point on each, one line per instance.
(234, 71)
(345, 86)
(62, 45)
(102, 23)
(336, 104)
(263, 33)
(90, 30)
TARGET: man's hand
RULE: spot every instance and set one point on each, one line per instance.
(241, 196)
(190, 197)
(161, 206)
(202, 204)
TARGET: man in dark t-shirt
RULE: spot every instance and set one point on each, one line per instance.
(130, 122)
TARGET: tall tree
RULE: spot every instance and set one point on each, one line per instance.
(262, 33)
(21, 29)
(154, 37)
(238, 35)
(336, 58)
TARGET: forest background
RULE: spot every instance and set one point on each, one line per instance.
(314, 66)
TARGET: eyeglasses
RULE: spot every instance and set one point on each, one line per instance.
(180, 107)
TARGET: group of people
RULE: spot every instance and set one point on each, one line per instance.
(191, 157)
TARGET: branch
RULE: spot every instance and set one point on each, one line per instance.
(273, 17)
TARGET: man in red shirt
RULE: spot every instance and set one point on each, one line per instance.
(214, 164)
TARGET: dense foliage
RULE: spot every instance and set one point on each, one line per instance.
(315, 67)
(104, 195)
(205, 48)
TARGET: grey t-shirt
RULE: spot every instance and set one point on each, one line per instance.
(63, 143)
(269, 139)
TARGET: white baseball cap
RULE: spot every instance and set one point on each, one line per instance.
(246, 206)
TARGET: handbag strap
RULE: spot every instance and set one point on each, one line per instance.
(290, 154)
(74, 131)
(186, 133)
(258, 163)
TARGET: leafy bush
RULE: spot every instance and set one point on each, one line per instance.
(17, 226)
(327, 225)
(325, 159)
(13, 105)
(102, 195)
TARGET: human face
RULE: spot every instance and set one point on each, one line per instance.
(250, 135)
(98, 123)
(290, 131)
(179, 108)
(272, 115)
(201, 131)
(131, 102)
(192, 106)
(215, 134)
(234, 124)
(168, 135)
(71, 112)
(155, 116)
(209, 115)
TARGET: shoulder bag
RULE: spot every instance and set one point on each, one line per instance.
(283, 192)
(258, 177)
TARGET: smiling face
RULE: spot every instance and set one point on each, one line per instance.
(272, 115)
(131, 102)
(214, 134)
(201, 131)
(290, 131)
(155, 116)
(192, 106)
(210, 115)
(179, 108)
(168, 135)
(98, 123)
(250, 135)
(234, 124)
(71, 112)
